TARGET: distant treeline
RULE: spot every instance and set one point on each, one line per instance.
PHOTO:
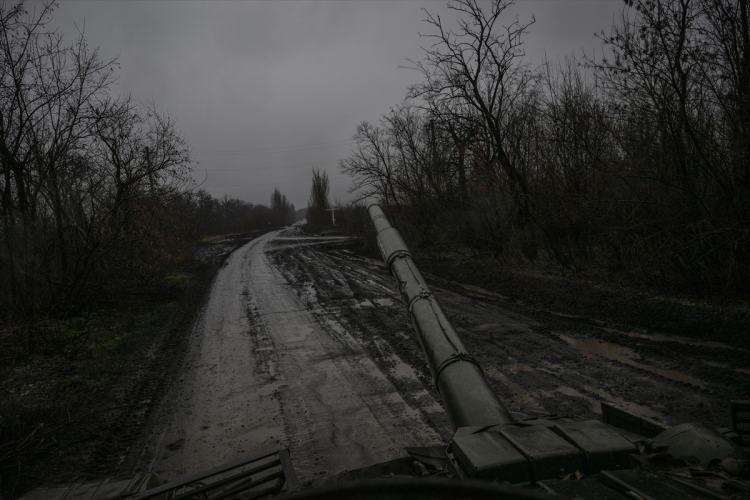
(209, 215)
(351, 218)
(95, 192)
(635, 163)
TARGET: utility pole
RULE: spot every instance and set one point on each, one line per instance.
(333, 214)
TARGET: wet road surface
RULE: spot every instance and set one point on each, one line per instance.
(267, 367)
(308, 346)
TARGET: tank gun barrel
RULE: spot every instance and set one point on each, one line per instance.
(463, 387)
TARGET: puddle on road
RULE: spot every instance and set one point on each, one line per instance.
(518, 367)
(520, 396)
(626, 355)
(663, 337)
(363, 303)
(381, 286)
(600, 348)
(367, 303)
(565, 390)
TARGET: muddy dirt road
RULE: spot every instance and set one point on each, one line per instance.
(268, 364)
(307, 345)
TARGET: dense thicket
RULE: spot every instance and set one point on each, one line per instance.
(94, 191)
(637, 163)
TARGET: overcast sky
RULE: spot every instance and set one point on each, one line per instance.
(264, 90)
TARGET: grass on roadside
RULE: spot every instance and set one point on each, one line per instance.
(598, 298)
(60, 377)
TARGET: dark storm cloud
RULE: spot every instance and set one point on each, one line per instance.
(263, 91)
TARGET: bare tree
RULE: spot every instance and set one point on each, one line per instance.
(678, 72)
(46, 87)
(478, 65)
(82, 173)
(639, 162)
(283, 210)
(371, 166)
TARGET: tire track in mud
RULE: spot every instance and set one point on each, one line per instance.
(370, 316)
(572, 365)
(269, 365)
(222, 406)
(340, 411)
(543, 363)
